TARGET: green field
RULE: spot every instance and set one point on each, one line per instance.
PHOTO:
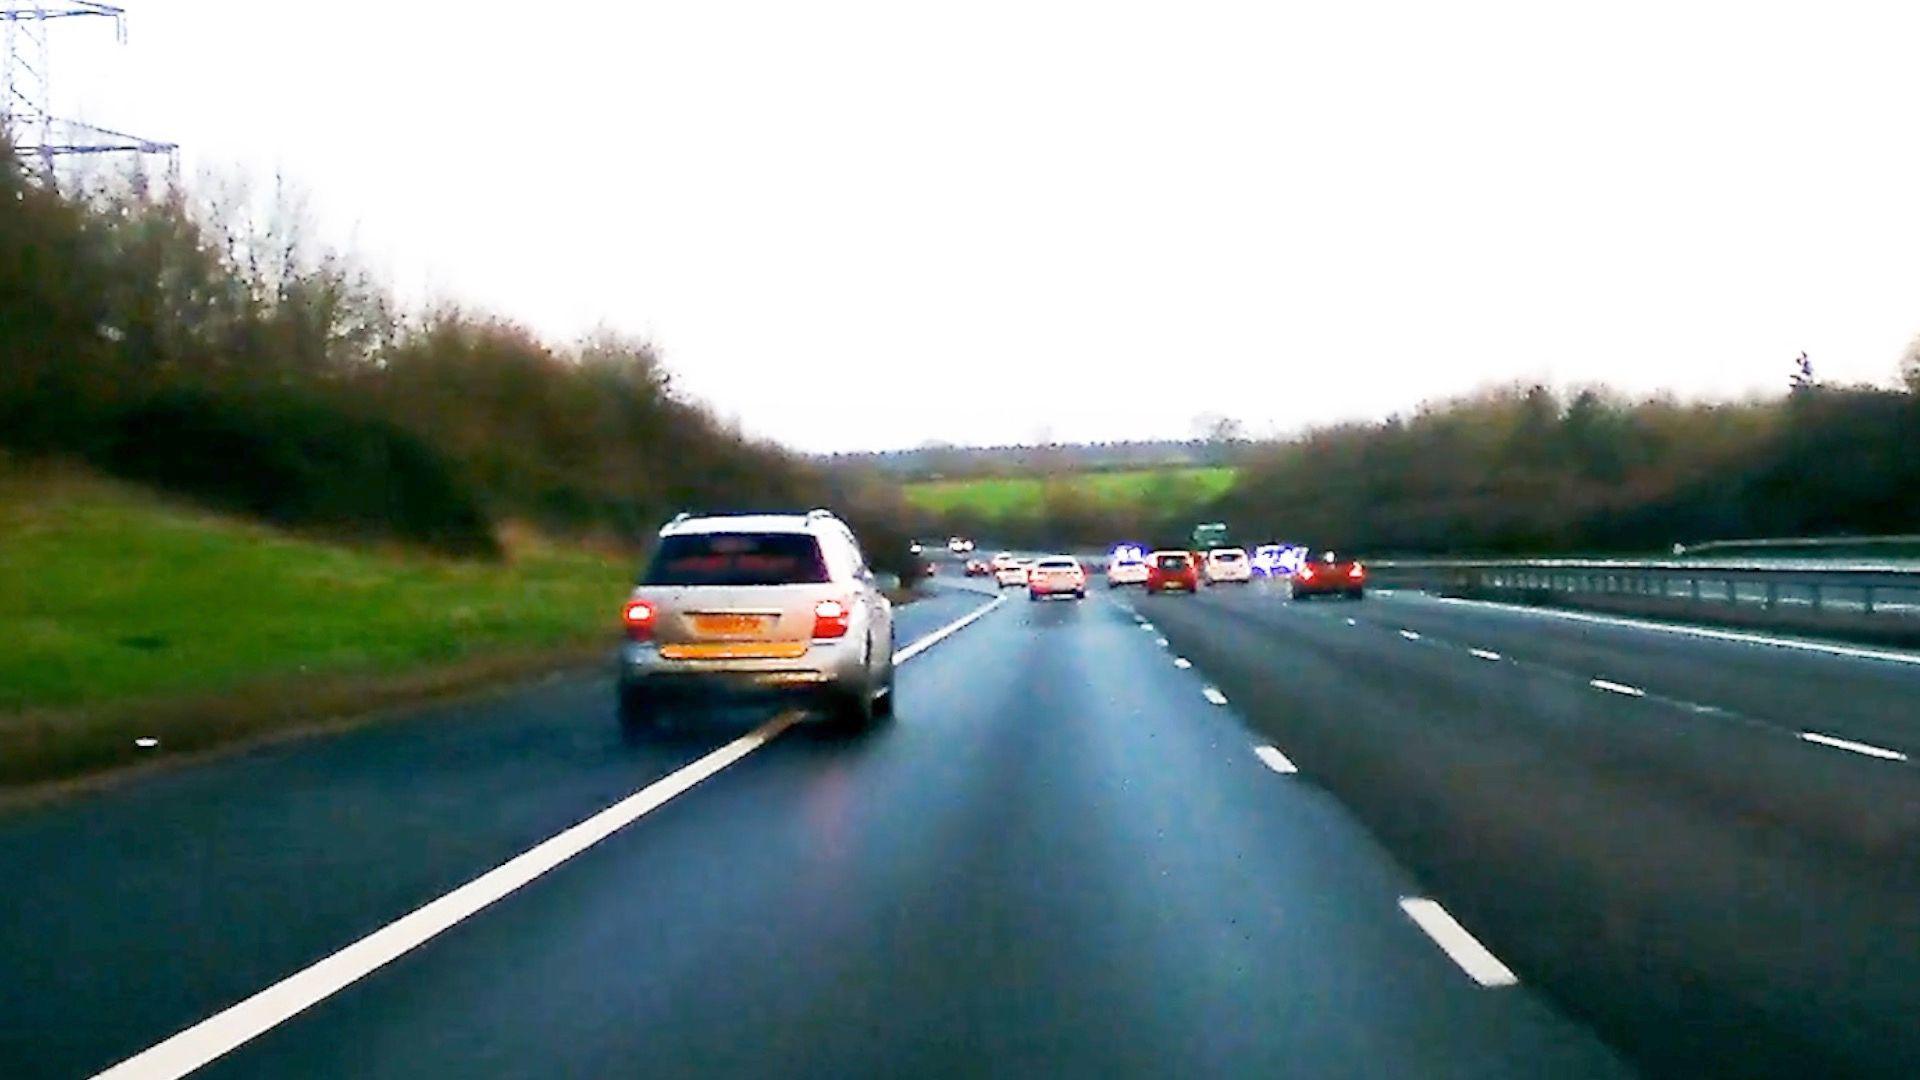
(114, 599)
(1004, 497)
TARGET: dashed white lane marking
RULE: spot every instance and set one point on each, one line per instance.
(1182, 663)
(1353, 622)
(1162, 642)
(1214, 696)
(1147, 626)
(1410, 635)
(1856, 747)
(1274, 759)
(1480, 965)
(1694, 631)
(1616, 688)
(234, 1026)
(1484, 654)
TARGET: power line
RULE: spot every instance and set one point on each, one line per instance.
(26, 81)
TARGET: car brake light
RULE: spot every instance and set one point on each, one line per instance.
(1357, 571)
(830, 619)
(638, 617)
(1306, 573)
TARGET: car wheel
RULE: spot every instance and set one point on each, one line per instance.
(1034, 596)
(1356, 594)
(852, 712)
(1079, 594)
(637, 710)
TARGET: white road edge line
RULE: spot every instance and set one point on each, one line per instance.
(1182, 663)
(1410, 635)
(234, 1026)
(1688, 630)
(1213, 695)
(1484, 654)
(1463, 948)
(1616, 688)
(1275, 760)
(1857, 747)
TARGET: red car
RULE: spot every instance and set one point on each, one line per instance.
(1328, 574)
(976, 568)
(1172, 570)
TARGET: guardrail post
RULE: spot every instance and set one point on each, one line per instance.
(1816, 596)
(1773, 594)
(1694, 582)
(1866, 600)
(1732, 598)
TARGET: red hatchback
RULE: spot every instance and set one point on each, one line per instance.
(1329, 574)
(1172, 570)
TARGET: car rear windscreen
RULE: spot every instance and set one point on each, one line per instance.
(1226, 556)
(1054, 564)
(1173, 562)
(737, 559)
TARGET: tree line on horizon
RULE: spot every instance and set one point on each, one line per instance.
(203, 343)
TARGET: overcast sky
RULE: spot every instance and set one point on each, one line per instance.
(868, 225)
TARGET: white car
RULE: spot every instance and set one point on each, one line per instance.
(1227, 564)
(1009, 569)
(960, 545)
(1126, 571)
(1056, 575)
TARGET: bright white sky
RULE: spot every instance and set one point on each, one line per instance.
(867, 225)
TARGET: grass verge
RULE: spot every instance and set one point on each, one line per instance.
(1025, 496)
(128, 617)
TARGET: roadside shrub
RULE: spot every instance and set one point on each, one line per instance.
(300, 462)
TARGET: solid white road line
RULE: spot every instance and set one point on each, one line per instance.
(1182, 663)
(1480, 965)
(230, 1028)
(1274, 759)
(1856, 747)
(1616, 688)
(1410, 635)
(1484, 654)
(1214, 696)
(954, 627)
(1688, 630)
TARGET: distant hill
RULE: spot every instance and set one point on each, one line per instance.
(944, 462)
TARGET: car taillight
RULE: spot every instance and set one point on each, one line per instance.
(831, 618)
(1357, 571)
(638, 617)
(1306, 573)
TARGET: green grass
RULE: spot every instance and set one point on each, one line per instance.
(114, 600)
(1005, 497)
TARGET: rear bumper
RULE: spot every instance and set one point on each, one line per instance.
(827, 668)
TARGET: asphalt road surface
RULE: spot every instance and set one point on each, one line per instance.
(1212, 835)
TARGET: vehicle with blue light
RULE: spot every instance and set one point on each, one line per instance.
(1278, 560)
(1126, 566)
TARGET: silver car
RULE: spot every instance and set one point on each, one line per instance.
(758, 604)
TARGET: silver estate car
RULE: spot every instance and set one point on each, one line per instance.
(758, 604)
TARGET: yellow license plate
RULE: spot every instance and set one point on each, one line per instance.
(736, 650)
(729, 625)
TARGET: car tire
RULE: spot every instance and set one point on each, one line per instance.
(852, 712)
(1079, 594)
(1356, 594)
(1033, 596)
(636, 710)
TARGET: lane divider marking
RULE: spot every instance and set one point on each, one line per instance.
(1353, 622)
(1410, 635)
(1688, 630)
(238, 1024)
(1484, 654)
(1182, 663)
(1616, 688)
(1462, 947)
(1275, 760)
(1857, 747)
(1162, 642)
(1147, 626)
(1214, 695)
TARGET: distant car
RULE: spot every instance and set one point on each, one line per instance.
(1009, 572)
(1056, 575)
(764, 603)
(960, 545)
(1126, 570)
(1167, 570)
(1228, 564)
(1328, 574)
(915, 548)
(976, 568)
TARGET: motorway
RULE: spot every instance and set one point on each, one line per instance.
(1219, 835)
